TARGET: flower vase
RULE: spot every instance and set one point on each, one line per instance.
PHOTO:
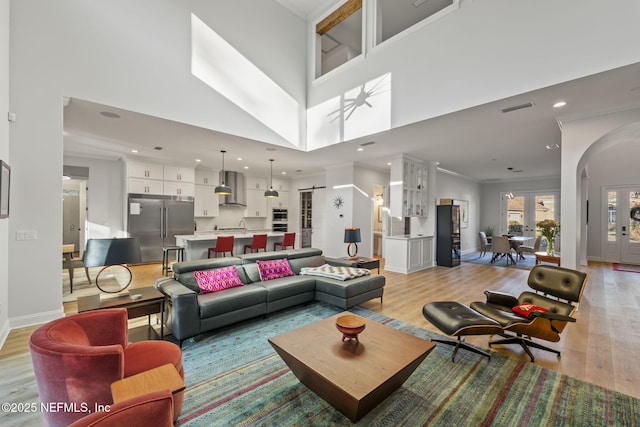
(550, 247)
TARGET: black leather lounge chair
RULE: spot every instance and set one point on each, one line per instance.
(541, 314)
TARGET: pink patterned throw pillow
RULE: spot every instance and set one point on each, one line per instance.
(274, 269)
(218, 279)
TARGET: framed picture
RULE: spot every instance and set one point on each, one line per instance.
(464, 212)
(5, 176)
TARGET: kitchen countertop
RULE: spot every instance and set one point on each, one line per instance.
(409, 236)
(213, 235)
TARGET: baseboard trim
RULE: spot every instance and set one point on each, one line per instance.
(4, 333)
(35, 319)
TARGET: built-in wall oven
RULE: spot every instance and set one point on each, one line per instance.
(280, 215)
(280, 219)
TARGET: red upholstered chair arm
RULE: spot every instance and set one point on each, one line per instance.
(105, 327)
(154, 408)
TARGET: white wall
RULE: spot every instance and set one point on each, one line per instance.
(106, 196)
(4, 155)
(132, 55)
(489, 50)
(456, 187)
(625, 156)
(582, 140)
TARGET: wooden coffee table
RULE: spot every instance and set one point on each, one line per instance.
(150, 302)
(353, 377)
(544, 257)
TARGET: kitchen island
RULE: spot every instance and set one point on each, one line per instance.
(196, 245)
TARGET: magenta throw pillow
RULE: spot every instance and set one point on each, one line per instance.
(218, 279)
(274, 269)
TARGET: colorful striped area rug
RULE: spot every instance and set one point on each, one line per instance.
(235, 378)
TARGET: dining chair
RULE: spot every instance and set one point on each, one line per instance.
(259, 241)
(501, 248)
(484, 244)
(524, 249)
(224, 244)
(70, 263)
(289, 239)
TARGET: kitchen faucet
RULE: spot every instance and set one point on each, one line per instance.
(243, 225)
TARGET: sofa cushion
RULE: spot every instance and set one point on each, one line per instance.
(183, 271)
(349, 288)
(232, 299)
(273, 269)
(287, 286)
(311, 261)
(218, 279)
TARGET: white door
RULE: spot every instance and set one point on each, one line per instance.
(521, 211)
(621, 231)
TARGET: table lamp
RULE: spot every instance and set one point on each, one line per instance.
(352, 237)
(110, 253)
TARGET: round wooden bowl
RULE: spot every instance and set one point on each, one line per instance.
(350, 325)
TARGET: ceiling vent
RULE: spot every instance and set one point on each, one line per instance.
(517, 107)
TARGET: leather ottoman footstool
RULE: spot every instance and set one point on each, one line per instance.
(458, 320)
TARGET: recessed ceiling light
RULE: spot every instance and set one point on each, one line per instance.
(134, 151)
(198, 160)
(360, 149)
(239, 158)
(65, 177)
(246, 167)
(110, 115)
(388, 163)
(559, 104)
(552, 146)
(284, 173)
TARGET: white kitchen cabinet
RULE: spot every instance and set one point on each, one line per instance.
(407, 254)
(145, 186)
(280, 184)
(408, 187)
(207, 177)
(206, 201)
(254, 183)
(282, 201)
(256, 204)
(175, 188)
(179, 173)
(138, 169)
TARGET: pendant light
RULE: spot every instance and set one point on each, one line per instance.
(223, 190)
(271, 193)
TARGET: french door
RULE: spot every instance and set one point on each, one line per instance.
(621, 230)
(522, 210)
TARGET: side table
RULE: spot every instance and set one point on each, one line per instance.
(164, 377)
(544, 257)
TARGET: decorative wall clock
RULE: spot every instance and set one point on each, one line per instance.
(338, 202)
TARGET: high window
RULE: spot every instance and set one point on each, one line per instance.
(340, 36)
(395, 16)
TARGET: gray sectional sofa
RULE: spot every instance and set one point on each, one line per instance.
(189, 313)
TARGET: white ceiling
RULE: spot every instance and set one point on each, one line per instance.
(480, 143)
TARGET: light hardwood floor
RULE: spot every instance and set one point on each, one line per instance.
(602, 347)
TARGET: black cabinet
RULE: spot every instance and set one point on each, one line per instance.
(448, 235)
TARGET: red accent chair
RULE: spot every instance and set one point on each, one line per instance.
(224, 244)
(259, 241)
(76, 358)
(289, 239)
(154, 408)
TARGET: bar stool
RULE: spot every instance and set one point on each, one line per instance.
(224, 244)
(289, 239)
(165, 256)
(259, 241)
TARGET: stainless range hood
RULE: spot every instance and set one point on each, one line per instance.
(237, 198)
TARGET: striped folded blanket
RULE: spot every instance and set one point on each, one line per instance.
(331, 272)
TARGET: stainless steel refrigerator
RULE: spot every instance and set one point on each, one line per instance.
(156, 220)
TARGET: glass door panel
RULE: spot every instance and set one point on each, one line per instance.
(521, 212)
